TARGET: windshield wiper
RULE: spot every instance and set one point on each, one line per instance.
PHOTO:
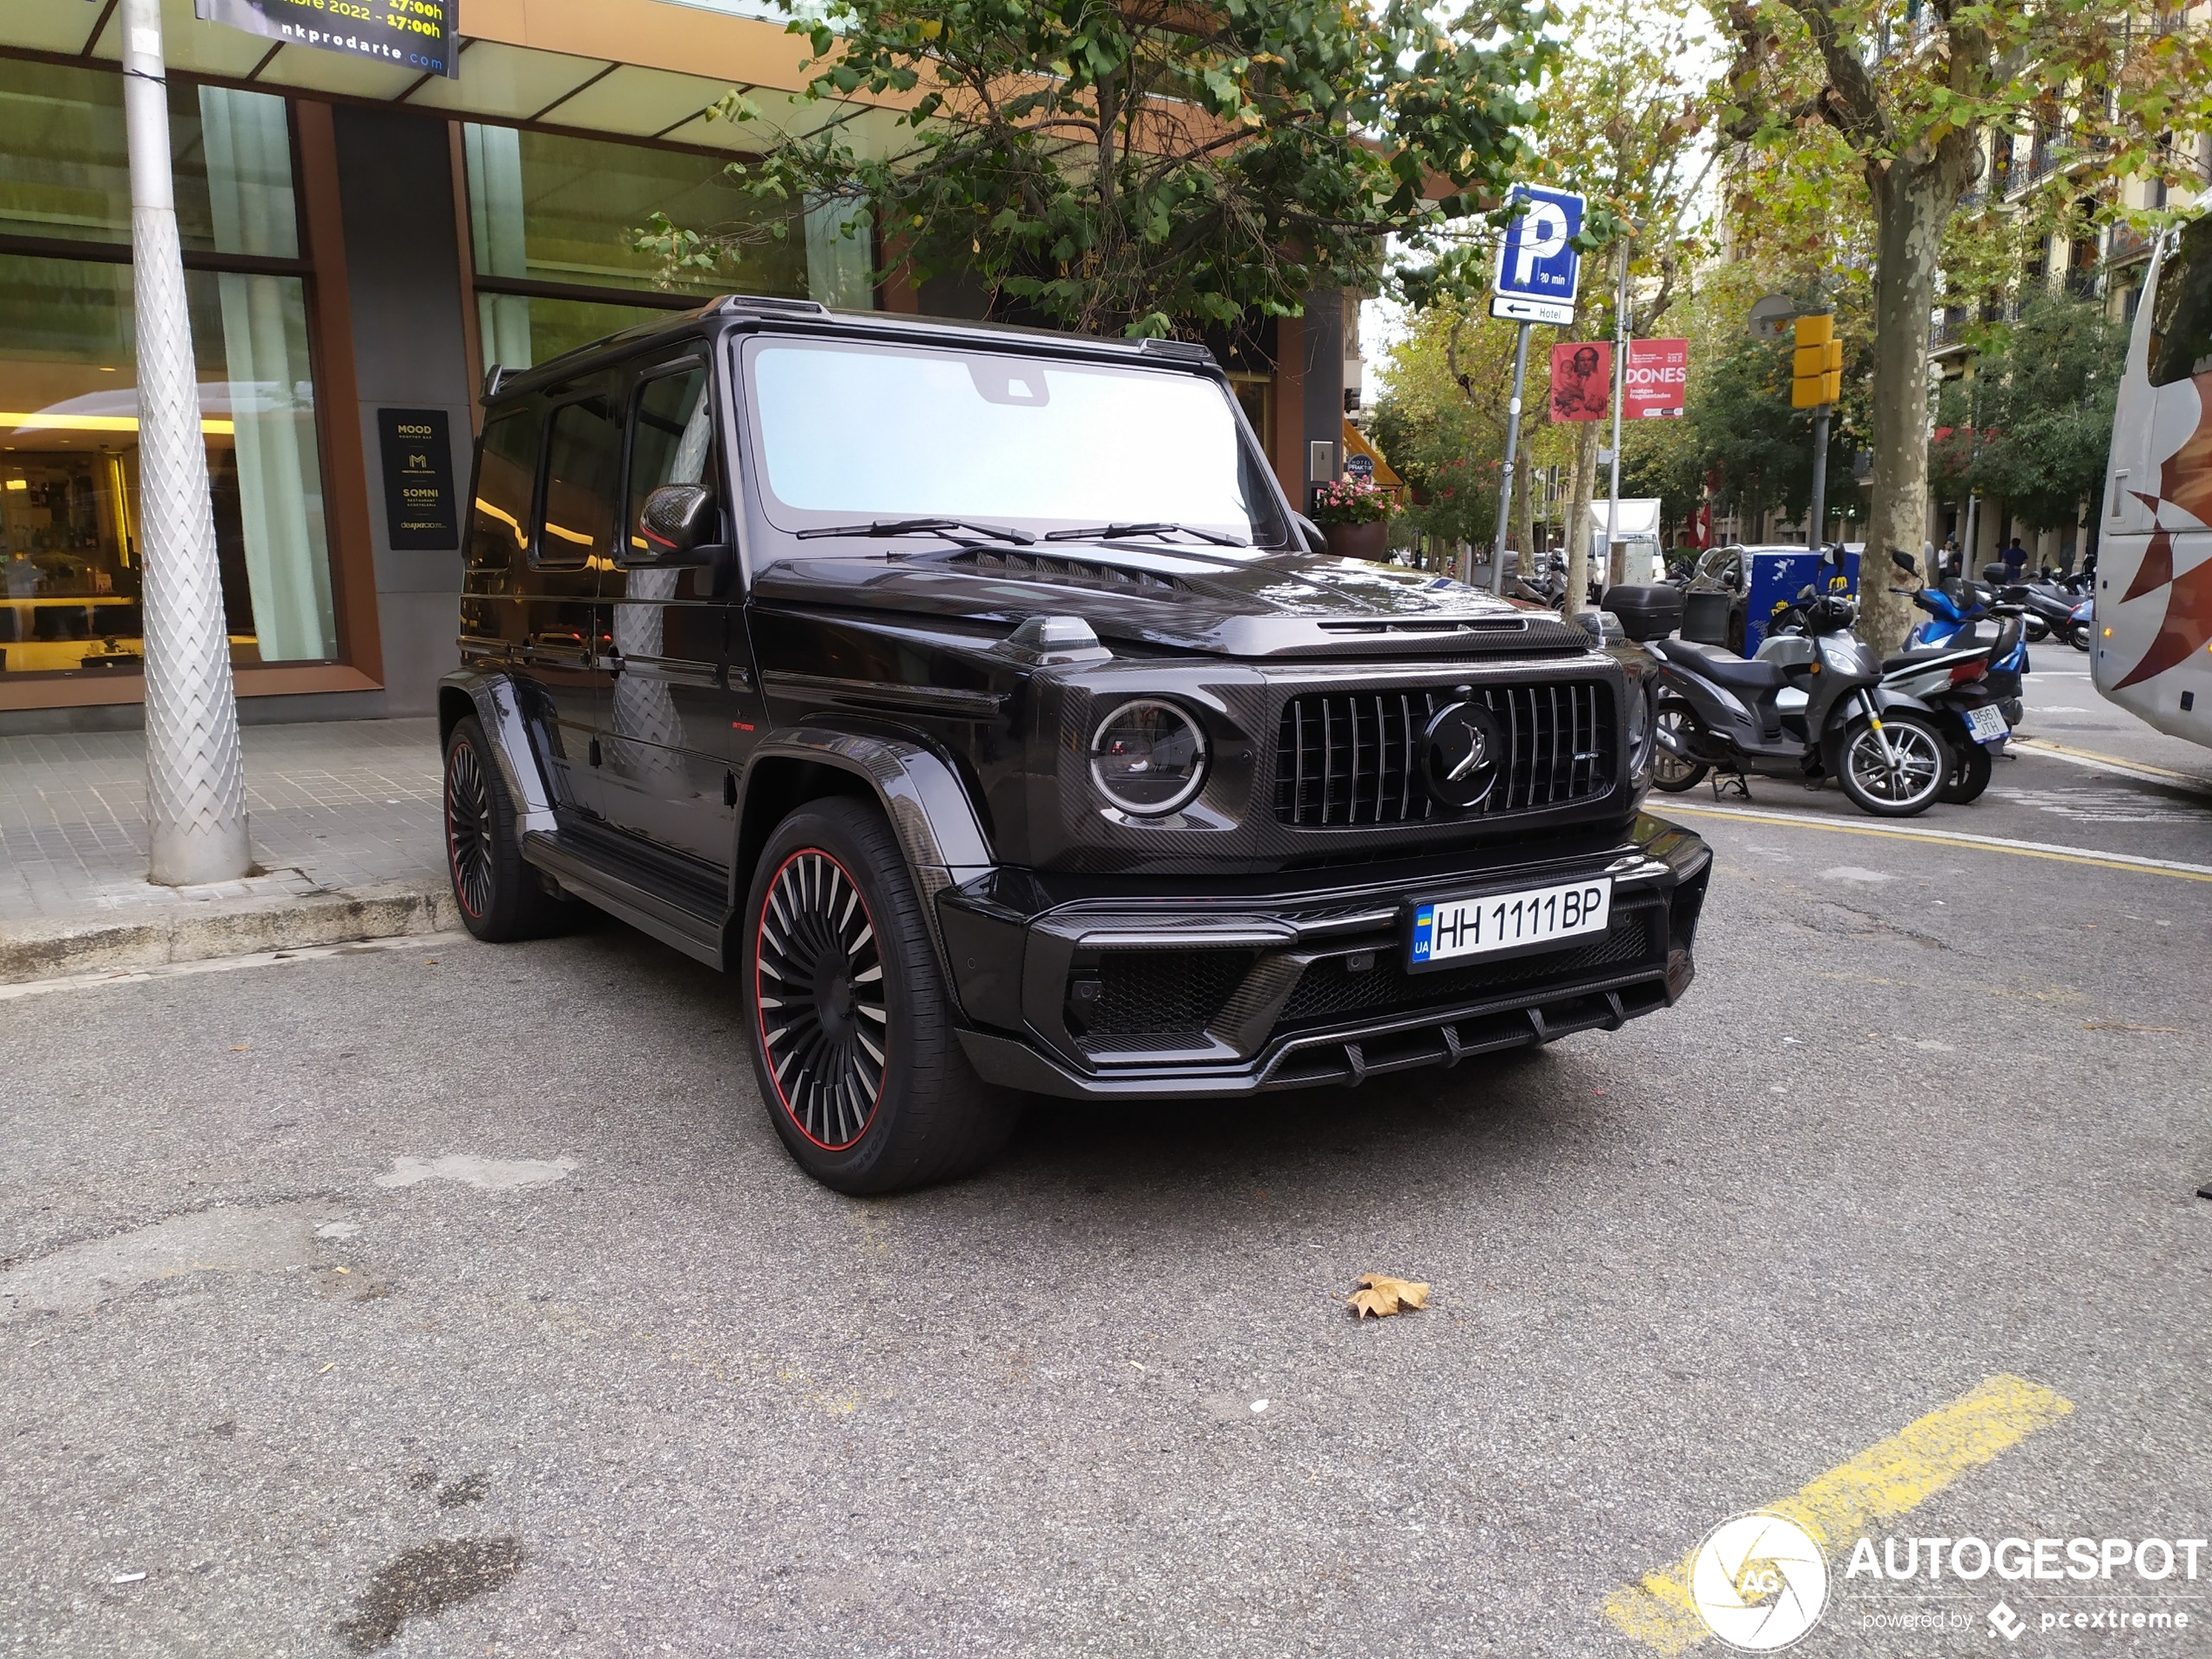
(920, 527)
(1110, 532)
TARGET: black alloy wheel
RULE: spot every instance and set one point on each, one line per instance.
(469, 844)
(501, 896)
(852, 1030)
(818, 984)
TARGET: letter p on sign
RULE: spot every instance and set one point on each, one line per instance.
(1543, 233)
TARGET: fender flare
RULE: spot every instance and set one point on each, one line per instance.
(928, 807)
(497, 706)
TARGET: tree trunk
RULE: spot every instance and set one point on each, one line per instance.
(1913, 201)
(1577, 550)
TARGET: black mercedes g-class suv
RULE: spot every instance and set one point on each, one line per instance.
(977, 697)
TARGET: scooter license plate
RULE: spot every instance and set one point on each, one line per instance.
(1508, 924)
(1987, 725)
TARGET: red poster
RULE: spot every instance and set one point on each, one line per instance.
(1658, 370)
(1582, 381)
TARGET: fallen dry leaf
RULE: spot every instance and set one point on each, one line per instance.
(1382, 1295)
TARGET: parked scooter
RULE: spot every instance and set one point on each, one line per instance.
(1957, 612)
(1955, 681)
(1742, 715)
(2048, 608)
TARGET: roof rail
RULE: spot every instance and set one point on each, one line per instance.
(730, 302)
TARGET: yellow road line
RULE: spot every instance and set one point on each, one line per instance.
(1878, 1485)
(2175, 868)
(2191, 779)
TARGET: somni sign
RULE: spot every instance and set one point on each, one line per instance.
(414, 34)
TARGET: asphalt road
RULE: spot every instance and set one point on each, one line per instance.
(460, 1300)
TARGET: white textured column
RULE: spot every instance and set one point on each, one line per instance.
(195, 775)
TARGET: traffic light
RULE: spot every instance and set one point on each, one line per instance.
(1816, 373)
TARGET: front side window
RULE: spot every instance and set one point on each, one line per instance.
(672, 443)
(2181, 319)
(849, 432)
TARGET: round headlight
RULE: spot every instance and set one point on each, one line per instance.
(1643, 722)
(1148, 758)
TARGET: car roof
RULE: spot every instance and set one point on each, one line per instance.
(758, 312)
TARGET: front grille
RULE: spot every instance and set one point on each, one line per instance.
(1348, 758)
(1327, 993)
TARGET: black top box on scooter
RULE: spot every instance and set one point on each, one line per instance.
(1645, 613)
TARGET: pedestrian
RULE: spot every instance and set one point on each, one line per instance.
(2015, 557)
(1949, 564)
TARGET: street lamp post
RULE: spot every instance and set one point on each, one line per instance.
(195, 775)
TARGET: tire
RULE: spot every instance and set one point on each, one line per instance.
(502, 898)
(1669, 770)
(2077, 636)
(2035, 628)
(847, 1013)
(1969, 776)
(1867, 780)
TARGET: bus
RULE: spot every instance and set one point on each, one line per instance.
(2153, 634)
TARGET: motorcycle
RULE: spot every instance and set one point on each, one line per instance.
(1740, 715)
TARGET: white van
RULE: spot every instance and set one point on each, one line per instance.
(2153, 596)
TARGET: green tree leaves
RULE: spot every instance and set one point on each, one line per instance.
(1144, 167)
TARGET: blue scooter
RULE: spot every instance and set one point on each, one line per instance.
(1955, 609)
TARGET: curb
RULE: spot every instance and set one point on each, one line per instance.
(156, 937)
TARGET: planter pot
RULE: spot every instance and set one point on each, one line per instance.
(1360, 541)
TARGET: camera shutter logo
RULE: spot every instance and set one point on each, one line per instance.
(1759, 1582)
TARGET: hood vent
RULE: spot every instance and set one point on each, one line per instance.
(1061, 572)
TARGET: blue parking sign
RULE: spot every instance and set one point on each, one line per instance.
(1538, 269)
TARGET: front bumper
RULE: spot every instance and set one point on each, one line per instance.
(1299, 982)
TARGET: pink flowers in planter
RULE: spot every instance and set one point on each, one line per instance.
(1351, 501)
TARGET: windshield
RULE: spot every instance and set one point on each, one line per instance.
(851, 432)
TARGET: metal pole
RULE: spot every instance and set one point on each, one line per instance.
(195, 775)
(1619, 382)
(1816, 518)
(1512, 446)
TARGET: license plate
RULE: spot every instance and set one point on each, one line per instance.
(1508, 924)
(1987, 725)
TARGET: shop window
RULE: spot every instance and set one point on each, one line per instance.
(554, 218)
(70, 544)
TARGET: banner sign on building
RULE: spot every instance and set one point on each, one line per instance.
(1582, 381)
(414, 34)
(1658, 371)
(1539, 268)
(420, 512)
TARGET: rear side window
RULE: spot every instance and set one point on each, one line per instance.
(506, 477)
(672, 443)
(2180, 321)
(583, 461)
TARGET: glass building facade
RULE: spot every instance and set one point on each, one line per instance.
(69, 411)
